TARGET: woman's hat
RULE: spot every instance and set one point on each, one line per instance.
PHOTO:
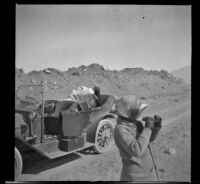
(129, 106)
(142, 107)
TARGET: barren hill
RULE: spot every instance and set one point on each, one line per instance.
(183, 73)
(127, 81)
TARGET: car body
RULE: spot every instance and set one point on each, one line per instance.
(53, 129)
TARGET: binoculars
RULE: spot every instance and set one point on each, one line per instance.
(157, 126)
(157, 121)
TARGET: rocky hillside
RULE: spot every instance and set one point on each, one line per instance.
(127, 81)
(184, 73)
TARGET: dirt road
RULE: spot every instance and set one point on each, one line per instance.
(176, 114)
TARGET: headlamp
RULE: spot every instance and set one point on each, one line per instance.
(32, 116)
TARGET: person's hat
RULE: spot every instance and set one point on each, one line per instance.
(91, 91)
(142, 107)
(129, 106)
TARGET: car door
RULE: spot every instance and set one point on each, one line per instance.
(73, 123)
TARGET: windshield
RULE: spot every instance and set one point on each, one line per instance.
(31, 94)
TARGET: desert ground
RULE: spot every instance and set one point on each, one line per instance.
(87, 165)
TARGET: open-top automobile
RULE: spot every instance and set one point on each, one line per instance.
(54, 128)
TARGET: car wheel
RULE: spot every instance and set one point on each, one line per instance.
(18, 164)
(104, 137)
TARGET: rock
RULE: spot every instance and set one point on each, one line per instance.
(162, 170)
(47, 71)
(33, 81)
(76, 73)
(21, 70)
(170, 151)
(143, 98)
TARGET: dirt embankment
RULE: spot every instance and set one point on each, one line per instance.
(127, 81)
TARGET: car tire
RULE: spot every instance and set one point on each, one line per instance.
(18, 164)
(104, 136)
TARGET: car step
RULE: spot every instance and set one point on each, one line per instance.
(58, 152)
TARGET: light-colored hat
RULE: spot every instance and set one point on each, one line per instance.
(91, 91)
(142, 107)
(129, 106)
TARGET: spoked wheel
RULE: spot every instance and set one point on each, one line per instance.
(104, 138)
(18, 164)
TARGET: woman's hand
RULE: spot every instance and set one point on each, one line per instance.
(149, 122)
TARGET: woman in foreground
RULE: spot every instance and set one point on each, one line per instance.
(132, 140)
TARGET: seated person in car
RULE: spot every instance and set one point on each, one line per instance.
(97, 95)
(87, 98)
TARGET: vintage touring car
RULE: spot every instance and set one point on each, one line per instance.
(50, 127)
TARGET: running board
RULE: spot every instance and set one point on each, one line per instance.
(58, 153)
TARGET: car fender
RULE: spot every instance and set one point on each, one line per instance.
(22, 146)
(93, 127)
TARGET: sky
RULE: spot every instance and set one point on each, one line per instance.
(153, 37)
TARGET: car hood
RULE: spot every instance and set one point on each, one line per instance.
(24, 109)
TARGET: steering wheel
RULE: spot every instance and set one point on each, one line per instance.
(31, 100)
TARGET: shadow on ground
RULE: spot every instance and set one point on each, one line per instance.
(88, 151)
(35, 163)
